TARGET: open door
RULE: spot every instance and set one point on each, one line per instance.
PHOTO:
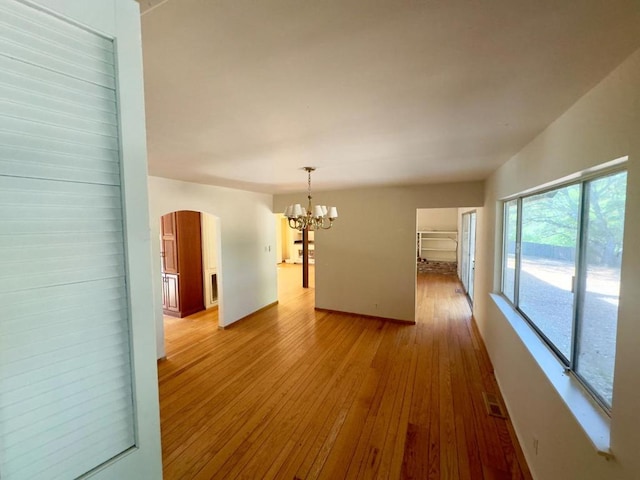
(468, 253)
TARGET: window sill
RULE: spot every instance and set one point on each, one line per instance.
(590, 416)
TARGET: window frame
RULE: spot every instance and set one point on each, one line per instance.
(579, 285)
(505, 247)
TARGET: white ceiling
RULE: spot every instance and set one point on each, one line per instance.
(243, 93)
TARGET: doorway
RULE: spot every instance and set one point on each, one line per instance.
(189, 255)
(289, 254)
(437, 241)
(468, 253)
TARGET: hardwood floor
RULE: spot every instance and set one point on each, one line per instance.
(293, 393)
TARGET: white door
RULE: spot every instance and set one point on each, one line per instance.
(464, 252)
(468, 252)
(78, 386)
(472, 255)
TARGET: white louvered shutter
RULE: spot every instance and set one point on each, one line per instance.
(66, 403)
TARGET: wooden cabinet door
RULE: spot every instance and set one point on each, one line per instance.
(182, 263)
(189, 244)
(171, 297)
(169, 224)
(169, 243)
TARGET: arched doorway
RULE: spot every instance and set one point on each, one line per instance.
(189, 267)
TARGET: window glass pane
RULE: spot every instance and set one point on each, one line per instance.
(599, 309)
(509, 260)
(547, 263)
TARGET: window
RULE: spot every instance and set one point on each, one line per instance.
(561, 270)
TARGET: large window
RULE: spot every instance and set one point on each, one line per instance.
(561, 269)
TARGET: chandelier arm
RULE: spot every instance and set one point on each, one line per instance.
(325, 226)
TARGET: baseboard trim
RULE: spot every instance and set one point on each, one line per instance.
(266, 307)
(373, 317)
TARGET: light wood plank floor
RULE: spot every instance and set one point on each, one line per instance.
(292, 393)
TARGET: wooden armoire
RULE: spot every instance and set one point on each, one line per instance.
(181, 253)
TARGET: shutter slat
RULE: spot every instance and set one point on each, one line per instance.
(15, 168)
(18, 30)
(30, 213)
(35, 132)
(16, 337)
(73, 353)
(81, 241)
(43, 103)
(27, 55)
(41, 379)
(20, 140)
(72, 394)
(79, 270)
(30, 424)
(44, 192)
(73, 426)
(27, 254)
(44, 86)
(19, 227)
(47, 159)
(54, 258)
(64, 278)
(60, 265)
(94, 448)
(57, 299)
(84, 373)
(53, 28)
(59, 274)
(46, 458)
(55, 329)
(25, 111)
(54, 359)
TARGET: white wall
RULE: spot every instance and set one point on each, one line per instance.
(367, 262)
(437, 219)
(443, 219)
(247, 260)
(210, 250)
(279, 218)
(602, 126)
(285, 248)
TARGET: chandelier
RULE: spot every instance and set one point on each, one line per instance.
(310, 218)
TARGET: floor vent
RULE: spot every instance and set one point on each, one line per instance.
(493, 405)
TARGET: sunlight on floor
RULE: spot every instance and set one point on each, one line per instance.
(290, 279)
